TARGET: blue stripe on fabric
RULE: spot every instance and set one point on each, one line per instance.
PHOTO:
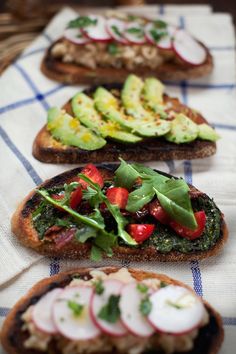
(161, 9)
(54, 266)
(4, 311)
(46, 35)
(183, 86)
(229, 321)
(188, 172)
(181, 22)
(27, 165)
(201, 86)
(219, 48)
(17, 104)
(32, 52)
(224, 126)
(33, 87)
(171, 166)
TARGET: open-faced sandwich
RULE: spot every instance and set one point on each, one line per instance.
(111, 310)
(130, 212)
(136, 122)
(102, 49)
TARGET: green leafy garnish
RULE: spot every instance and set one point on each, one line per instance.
(160, 24)
(111, 312)
(142, 288)
(96, 254)
(89, 193)
(69, 188)
(173, 304)
(81, 22)
(112, 48)
(138, 32)
(163, 284)
(75, 307)
(85, 233)
(157, 34)
(140, 196)
(63, 223)
(145, 306)
(99, 287)
(116, 31)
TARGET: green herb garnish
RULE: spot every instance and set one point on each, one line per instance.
(116, 30)
(96, 254)
(138, 32)
(99, 287)
(163, 284)
(110, 312)
(81, 22)
(75, 307)
(112, 48)
(145, 306)
(157, 35)
(173, 304)
(142, 288)
(160, 24)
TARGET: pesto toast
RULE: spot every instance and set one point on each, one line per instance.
(103, 49)
(131, 212)
(136, 121)
(27, 329)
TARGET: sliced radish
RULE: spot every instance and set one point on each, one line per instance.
(98, 31)
(131, 316)
(111, 287)
(42, 312)
(175, 310)
(165, 42)
(76, 36)
(116, 29)
(71, 325)
(134, 33)
(188, 49)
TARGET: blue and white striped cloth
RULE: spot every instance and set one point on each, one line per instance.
(25, 97)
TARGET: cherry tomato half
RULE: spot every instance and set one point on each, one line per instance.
(92, 173)
(185, 232)
(140, 232)
(118, 196)
(158, 212)
(58, 197)
(76, 197)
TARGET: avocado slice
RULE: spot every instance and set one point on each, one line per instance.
(108, 106)
(152, 95)
(183, 130)
(83, 108)
(206, 132)
(69, 131)
(131, 98)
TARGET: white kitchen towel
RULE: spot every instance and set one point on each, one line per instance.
(25, 97)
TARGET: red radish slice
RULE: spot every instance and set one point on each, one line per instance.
(131, 316)
(76, 36)
(134, 33)
(71, 325)
(111, 287)
(42, 312)
(98, 31)
(166, 41)
(175, 310)
(116, 29)
(188, 49)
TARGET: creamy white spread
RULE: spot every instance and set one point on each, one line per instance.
(103, 343)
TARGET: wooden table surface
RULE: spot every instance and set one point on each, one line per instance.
(16, 33)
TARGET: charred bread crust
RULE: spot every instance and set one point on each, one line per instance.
(74, 74)
(49, 150)
(209, 339)
(27, 235)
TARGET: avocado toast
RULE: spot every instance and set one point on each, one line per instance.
(21, 335)
(131, 212)
(136, 121)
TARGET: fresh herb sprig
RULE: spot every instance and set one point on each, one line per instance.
(75, 307)
(110, 312)
(82, 22)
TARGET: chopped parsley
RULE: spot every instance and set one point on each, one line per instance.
(112, 48)
(160, 24)
(157, 34)
(81, 22)
(75, 307)
(116, 30)
(163, 284)
(145, 306)
(110, 312)
(99, 288)
(138, 32)
(142, 288)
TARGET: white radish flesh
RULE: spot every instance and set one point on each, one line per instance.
(42, 312)
(71, 325)
(97, 32)
(134, 33)
(164, 42)
(175, 310)
(116, 30)
(131, 315)
(188, 49)
(111, 287)
(76, 36)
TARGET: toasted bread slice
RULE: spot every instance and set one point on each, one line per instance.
(208, 341)
(22, 227)
(47, 149)
(69, 73)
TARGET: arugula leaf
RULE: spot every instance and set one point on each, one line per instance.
(81, 22)
(112, 48)
(64, 223)
(96, 254)
(174, 198)
(145, 306)
(68, 188)
(75, 307)
(85, 233)
(125, 175)
(106, 243)
(89, 193)
(140, 196)
(110, 312)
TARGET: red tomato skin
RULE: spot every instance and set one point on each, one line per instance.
(58, 197)
(158, 212)
(76, 197)
(92, 173)
(185, 232)
(118, 196)
(140, 232)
